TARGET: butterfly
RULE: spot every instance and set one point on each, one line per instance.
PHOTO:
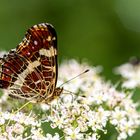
(30, 71)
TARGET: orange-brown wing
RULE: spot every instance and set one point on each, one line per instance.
(30, 71)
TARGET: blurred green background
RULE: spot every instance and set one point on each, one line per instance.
(106, 33)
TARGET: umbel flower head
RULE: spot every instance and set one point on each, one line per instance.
(88, 109)
(130, 73)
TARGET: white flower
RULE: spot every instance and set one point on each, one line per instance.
(44, 106)
(131, 74)
(97, 120)
(118, 116)
(126, 129)
(18, 128)
(50, 137)
(122, 136)
(73, 134)
(2, 120)
(37, 134)
(3, 138)
(94, 136)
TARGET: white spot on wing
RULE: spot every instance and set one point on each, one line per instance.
(54, 38)
(49, 38)
(48, 53)
(35, 42)
(35, 26)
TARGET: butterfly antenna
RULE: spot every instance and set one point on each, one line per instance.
(87, 70)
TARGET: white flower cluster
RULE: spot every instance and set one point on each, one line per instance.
(131, 74)
(86, 110)
(14, 126)
(92, 106)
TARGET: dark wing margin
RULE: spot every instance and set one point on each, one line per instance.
(52, 30)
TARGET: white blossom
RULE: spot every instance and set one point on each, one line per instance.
(73, 134)
(131, 75)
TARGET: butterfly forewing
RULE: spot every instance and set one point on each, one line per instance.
(30, 71)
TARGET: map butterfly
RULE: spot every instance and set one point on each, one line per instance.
(30, 71)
